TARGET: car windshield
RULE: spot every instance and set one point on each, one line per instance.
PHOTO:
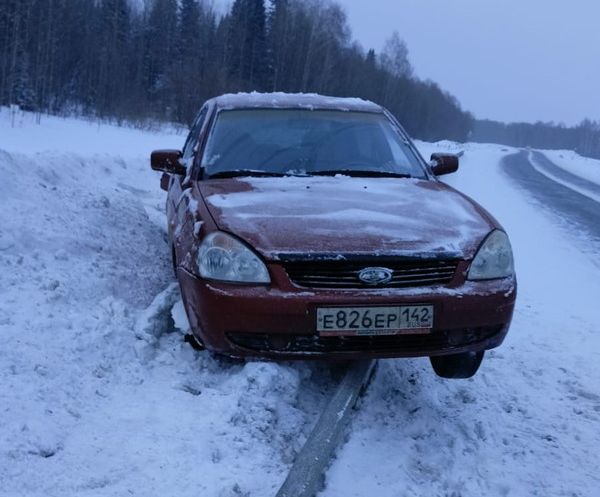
(271, 142)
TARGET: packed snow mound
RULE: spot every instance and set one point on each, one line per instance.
(100, 394)
(82, 225)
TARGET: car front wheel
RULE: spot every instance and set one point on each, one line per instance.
(462, 365)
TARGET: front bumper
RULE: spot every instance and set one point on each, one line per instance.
(279, 321)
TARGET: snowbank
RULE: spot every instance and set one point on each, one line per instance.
(99, 393)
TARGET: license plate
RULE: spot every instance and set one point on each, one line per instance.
(396, 320)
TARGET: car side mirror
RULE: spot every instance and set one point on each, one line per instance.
(444, 164)
(167, 161)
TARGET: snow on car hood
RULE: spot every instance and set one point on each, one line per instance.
(345, 215)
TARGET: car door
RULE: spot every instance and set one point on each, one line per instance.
(181, 188)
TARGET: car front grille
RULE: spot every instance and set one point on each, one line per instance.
(345, 274)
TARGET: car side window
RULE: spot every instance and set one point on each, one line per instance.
(191, 144)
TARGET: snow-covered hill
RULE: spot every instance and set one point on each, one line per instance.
(100, 396)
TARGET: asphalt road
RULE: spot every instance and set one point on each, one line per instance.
(579, 212)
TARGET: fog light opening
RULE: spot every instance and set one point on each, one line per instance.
(456, 337)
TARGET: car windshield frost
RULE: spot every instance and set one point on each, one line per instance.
(272, 142)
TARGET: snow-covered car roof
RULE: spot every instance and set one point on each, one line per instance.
(293, 101)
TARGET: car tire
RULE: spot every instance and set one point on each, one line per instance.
(463, 365)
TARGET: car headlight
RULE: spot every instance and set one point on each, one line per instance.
(494, 259)
(222, 257)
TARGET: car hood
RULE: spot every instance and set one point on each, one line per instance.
(343, 215)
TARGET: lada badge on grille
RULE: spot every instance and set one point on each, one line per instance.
(375, 275)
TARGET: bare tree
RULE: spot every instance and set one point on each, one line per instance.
(394, 57)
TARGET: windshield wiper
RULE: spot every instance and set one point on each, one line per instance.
(361, 173)
(236, 173)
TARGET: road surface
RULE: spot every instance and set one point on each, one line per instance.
(579, 211)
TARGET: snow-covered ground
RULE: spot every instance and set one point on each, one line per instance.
(20, 132)
(574, 163)
(529, 422)
(100, 396)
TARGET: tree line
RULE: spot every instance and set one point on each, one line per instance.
(163, 58)
(160, 59)
(583, 138)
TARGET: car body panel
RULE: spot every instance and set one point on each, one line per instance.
(217, 309)
(388, 216)
(320, 218)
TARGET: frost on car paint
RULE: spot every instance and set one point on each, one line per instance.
(378, 209)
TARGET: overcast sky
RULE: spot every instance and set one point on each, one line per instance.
(503, 59)
(511, 60)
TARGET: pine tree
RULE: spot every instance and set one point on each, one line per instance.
(114, 36)
(161, 36)
(188, 33)
(277, 42)
(22, 90)
(246, 44)
(103, 57)
(187, 65)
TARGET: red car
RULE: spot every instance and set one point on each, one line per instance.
(307, 226)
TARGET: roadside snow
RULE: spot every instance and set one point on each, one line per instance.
(22, 134)
(529, 422)
(574, 163)
(570, 161)
(585, 188)
(99, 394)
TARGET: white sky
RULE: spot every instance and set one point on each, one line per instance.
(503, 59)
(511, 60)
